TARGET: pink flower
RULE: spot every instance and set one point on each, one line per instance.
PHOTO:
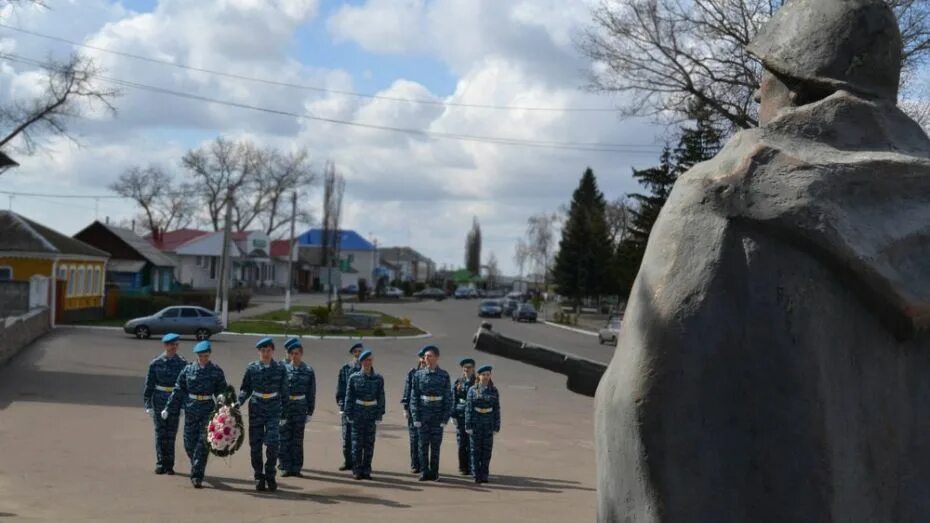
(221, 419)
(212, 427)
(226, 430)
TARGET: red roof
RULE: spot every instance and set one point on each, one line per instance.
(279, 248)
(170, 241)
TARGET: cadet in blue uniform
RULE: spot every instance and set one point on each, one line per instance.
(483, 421)
(301, 383)
(265, 386)
(459, 395)
(347, 370)
(413, 432)
(159, 382)
(364, 409)
(196, 387)
(431, 407)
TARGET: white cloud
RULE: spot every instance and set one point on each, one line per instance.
(403, 188)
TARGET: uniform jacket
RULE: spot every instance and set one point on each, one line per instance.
(208, 380)
(364, 388)
(163, 372)
(483, 397)
(408, 388)
(347, 370)
(460, 396)
(264, 380)
(432, 383)
(300, 381)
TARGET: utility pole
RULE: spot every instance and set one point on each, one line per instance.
(227, 262)
(290, 254)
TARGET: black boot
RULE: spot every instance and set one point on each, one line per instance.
(169, 471)
(345, 467)
(197, 482)
(260, 485)
(159, 470)
(286, 474)
(272, 485)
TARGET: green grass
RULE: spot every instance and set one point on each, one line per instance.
(271, 323)
(271, 327)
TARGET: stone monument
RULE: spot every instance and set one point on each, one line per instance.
(774, 363)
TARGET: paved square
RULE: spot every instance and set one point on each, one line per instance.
(75, 443)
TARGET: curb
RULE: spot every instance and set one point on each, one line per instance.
(573, 329)
(303, 336)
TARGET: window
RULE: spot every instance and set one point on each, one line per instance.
(62, 273)
(6, 273)
(88, 281)
(72, 277)
(97, 289)
(213, 267)
(188, 312)
(200, 261)
(79, 281)
(204, 314)
(171, 313)
(273, 271)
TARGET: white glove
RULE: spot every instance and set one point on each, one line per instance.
(406, 415)
(469, 431)
(148, 412)
(164, 414)
(377, 422)
(350, 421)
(341, 413)
(282, 423)
(417, 424)
(442, 425)
(309, 418)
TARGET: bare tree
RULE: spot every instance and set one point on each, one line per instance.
(164, 204)
(284, 174)
(493, 270)
(71, 90)
(333, 190)
(540, 232)
(521, 254)
(619, 216)
(224, 165)
(668, 55)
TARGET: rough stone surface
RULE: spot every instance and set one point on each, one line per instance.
(17, 332)
(774, 355)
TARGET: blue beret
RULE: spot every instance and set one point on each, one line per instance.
(428, 348)
(364, 356)
(421, 352)
(466, 361)
(485, 368)
(264, 342)
(292, 344)
(203, 346)
(170, 337)
(356, 346)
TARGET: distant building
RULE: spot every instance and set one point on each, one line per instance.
(411, 265)
(29, 249)
(357, 260)
(135, 264)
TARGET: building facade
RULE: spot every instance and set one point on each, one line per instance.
(135, 264)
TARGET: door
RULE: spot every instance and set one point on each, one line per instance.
(190, 320)
(169, 321)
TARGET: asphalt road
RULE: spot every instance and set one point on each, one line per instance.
(76, 445)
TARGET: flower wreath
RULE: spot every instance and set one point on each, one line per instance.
(225, 432)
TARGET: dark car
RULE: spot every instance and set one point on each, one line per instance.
(509, 306)
(524, 312)
(182, 320)
(431, 293)
(490, 309)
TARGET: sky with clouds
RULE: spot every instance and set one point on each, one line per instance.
(402, 189)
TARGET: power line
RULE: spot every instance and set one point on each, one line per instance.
(575, 146)
(309, 87)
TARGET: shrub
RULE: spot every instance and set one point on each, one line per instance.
(320, 314)
(378, 332)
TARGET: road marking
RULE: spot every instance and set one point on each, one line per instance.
(573, 329)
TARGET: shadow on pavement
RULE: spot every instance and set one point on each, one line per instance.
(287, 492)
(380, 480)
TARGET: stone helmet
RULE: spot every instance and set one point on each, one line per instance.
(853, 45)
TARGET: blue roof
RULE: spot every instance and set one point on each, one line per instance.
(348, 240)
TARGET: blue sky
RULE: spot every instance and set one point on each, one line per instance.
(400, 189)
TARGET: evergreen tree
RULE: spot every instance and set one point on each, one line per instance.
(473, 248)
(583, 263)
(697, 143)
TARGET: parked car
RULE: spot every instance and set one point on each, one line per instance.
(518, 296)
(183, 320)
(393, 292)
(431, 293)
(495, 293)
(509, 306)
(463, 293)
(610, 333)
(349, 289)
(490, 309)
(524, 312)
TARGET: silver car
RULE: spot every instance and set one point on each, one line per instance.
(609, 334)
(182, 319)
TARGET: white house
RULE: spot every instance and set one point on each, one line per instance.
(198, 254)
